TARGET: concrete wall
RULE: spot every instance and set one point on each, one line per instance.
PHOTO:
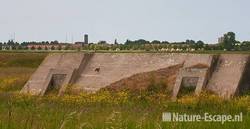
(227, 75)
(81, 70)
(116, 66)
(62, 63)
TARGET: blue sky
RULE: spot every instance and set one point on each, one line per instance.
(171, 20)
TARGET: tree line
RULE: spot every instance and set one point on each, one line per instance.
(227, 43)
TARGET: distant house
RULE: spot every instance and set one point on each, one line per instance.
(46, 46)
(80, 44)
(6, 47)
(221, 39)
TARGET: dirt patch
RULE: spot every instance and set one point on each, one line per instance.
(199, 66)
(142, 81)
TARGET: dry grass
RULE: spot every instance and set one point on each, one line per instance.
(16, 68)
(14, 78)
(31, 60)
(121, 110)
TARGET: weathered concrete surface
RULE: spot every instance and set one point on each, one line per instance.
(192, 69)
(91, 72)
(66, 63)
(164, 77)
(117, 66)
(226, 78)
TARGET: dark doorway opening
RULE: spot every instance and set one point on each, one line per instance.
(55, 84)
(188, 86)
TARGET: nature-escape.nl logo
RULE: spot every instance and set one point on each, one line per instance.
(206, 117)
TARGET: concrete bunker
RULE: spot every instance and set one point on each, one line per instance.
(58, 80)
(194, 75)
(57, 71)
(223, 74)
(190, 79)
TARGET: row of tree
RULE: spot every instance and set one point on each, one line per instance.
(227, 42)
(12, 43)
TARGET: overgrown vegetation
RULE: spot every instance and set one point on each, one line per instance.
(31, 60)
(105, 109)
(119, 110)
(186, 91)
(16, 68)
(13, 79)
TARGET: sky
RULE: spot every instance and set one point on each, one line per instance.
(168, 20)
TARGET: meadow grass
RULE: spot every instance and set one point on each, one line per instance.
(119, 110)
(105, 109)
(16, 68)
(31, 60)
(14, 78)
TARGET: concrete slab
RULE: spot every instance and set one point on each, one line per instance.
(61, 63)
(227, 75)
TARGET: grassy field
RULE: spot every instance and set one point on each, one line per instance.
(115, 111)
(105, 109)
(16, 68)
(24, 60)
